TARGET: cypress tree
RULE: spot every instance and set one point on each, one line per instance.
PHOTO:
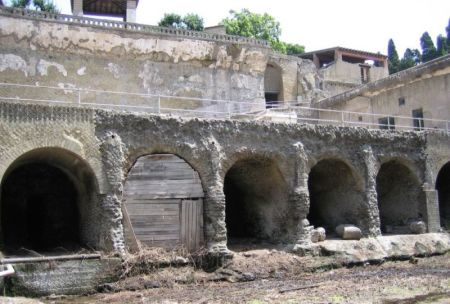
(428, 48)
(394, 62)
(442, 47)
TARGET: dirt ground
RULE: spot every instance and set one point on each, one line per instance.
(270, 276)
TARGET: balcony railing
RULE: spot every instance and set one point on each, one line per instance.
(292, 112)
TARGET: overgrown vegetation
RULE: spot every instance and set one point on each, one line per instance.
(39, 5)
(413, 57)
(191, 22)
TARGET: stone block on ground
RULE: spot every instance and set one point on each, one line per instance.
(318, 235)
(348, 232)
(417, 227)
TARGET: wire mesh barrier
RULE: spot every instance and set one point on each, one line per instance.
(290, 112)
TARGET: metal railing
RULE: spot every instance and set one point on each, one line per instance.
(362, 119)
(211, 108)
(136, 27)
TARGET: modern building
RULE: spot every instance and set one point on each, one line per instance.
(343, 68)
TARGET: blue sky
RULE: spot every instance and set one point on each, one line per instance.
(318, 24)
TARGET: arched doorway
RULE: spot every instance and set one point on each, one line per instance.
(335, 197)
(48, 203)
(273, 85)
(443, 188)
(163, 203)
(398, 193)
(256, 197)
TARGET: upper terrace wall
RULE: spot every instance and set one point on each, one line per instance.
(73, 52)
(56, 53)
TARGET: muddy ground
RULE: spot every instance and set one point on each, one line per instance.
(271, 276)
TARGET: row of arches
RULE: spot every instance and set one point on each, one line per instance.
(49, 199)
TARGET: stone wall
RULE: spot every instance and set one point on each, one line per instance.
(111, 142)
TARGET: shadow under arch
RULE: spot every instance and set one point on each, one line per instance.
(256, 202)
(336, 195)
(49, 202)
(443, 188)
(400, 196)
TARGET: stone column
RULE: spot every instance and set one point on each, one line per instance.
(111, 202)
(432, 208)
(77, 9)
(131, 11)
(299, 196)
(214, 222)
(372, 225)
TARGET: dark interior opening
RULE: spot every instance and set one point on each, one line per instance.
(256, 202)
(398, 193)
(334, 196)
(39, 209)
(443, 188)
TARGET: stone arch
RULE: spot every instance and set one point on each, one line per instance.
(336, 193)
(273, 84)
(443, 189)
(163, 203)
(67, 143)
(256, 198)
(399, 194)
(49, 199)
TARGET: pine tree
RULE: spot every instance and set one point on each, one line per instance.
(428, 48)
(442, 47)
(394, 62)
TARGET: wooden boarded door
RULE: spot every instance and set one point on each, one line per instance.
(163, 203)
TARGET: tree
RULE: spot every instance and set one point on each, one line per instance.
(193, 22)
(39, 5)
(293, 49)
(45, 6)
(190, 22)
(412, 57)
(428, 48)
(447, 29)
(248, 24)
(393, 59)
(442, 47)
(20, 3)
(171, 20)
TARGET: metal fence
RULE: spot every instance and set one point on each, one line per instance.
(209, 108)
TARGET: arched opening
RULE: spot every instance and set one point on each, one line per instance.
(273, 85)
(47, 203)
(163, 203)
(398, 193)
(256, 197)
(443, 188)
(335, 197)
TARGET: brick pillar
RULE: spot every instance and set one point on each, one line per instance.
(77, 9)
(131, 11)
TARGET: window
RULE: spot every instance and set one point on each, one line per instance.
(401, 101)
(386, 123)
(418, 122)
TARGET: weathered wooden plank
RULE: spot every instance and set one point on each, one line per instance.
(152, 201)
(155, 218)
(137, 196)
(165, 237)
(154, 207)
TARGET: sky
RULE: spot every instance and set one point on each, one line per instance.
(319, 24)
